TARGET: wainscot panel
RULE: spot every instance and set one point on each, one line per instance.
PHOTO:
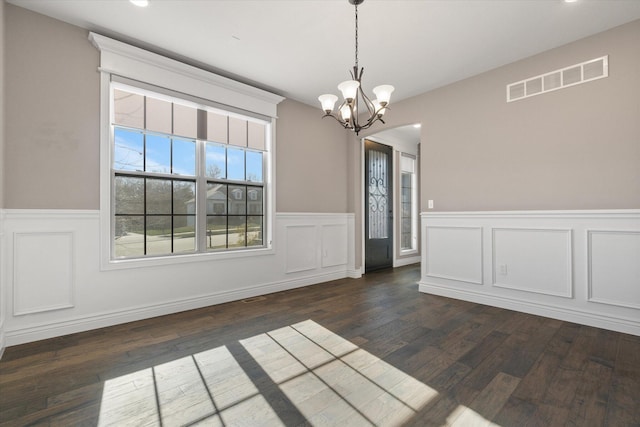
(614, 258)
(443, 242)
(335, 247)
(52, 284)
(43, 271)
(579, 266)
(533, 260)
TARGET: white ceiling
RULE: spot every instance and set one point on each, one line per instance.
(303, 48)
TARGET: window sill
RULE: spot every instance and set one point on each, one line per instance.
(120, 264)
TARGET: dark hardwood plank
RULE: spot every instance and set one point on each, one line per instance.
(533, 387)
(480, 362)
(623, 407)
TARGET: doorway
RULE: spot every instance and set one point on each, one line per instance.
(390, 237)
(378, 196)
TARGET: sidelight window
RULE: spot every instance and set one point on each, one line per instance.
(408, 204)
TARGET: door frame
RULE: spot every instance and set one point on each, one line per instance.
(363, 207)
(396, 152)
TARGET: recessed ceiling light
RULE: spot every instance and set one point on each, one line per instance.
(570, 1)
(417, 125)
(140, 3)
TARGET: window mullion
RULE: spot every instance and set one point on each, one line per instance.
(144, 214)
(172, 222)
(246, 214)
(201, 199)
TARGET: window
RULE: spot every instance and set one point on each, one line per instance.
(408, 196)
(186, 178)
(173, 139)
(406, 211)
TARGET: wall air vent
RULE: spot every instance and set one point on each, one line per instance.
(559, 79)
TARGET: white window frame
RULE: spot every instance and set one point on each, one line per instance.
(123, 60)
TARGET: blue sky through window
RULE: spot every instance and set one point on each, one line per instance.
(254, 166)
(216, 161)
(235, 164)
(184, 157)
(128, 150)
(158, 154)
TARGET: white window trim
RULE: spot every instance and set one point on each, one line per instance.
(121, 59)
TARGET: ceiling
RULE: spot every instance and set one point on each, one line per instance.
(303, 48)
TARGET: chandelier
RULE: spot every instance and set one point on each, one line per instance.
(354, 96)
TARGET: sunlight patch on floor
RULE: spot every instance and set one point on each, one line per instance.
(332, 381)
(467, 417)
(327, 379)
(129, 400)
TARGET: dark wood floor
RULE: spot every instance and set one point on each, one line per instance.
(509, 368)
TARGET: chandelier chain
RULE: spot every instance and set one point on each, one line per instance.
(356, 36)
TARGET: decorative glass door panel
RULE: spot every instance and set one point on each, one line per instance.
(378, 195)
(378, 201)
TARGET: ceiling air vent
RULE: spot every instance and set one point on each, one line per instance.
(534, 86)
(553, 80)
(516, 91)
(558, 79)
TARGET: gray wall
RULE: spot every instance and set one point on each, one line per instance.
(575, 148)
(2, 50)
(52, 125)
(2, 54)
(311, 161)
(53, 132)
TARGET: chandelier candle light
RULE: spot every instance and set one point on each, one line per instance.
(353, 95)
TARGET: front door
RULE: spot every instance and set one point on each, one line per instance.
(379, 206)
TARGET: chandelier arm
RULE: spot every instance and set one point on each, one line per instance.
(338, 119)
(367, 101)
(353, 107)
(378, 115)
(370, 122)
(375, 118)
(341, 105)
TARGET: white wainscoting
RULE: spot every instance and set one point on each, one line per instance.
(454, 253)
(614, 258)
(301, 247)
(533, 260)
(52, 284)
(579, 266)
(334, 245)
(43, 271)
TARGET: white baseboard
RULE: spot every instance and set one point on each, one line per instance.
(401, 262)
(2, 343)
(355, 273)
(627, 326)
